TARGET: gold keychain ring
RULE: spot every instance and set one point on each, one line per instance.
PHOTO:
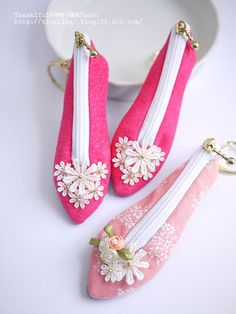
(61, 64)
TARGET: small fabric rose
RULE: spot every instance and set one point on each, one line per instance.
(109, 256)
(116, 242)
(104, 244)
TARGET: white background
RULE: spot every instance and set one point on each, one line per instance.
(43, 255)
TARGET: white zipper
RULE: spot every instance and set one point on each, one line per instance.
(149, 225)
(159, 105)
(80, 133)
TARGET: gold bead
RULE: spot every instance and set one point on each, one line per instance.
(231, 161)
(93, 53)
(210, 144)
(195, 45)
(181, 26)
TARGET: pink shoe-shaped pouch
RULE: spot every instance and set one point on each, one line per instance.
(144, 137)
(134, 246)
(82, 161)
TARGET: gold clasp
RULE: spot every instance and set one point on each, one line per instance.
(181, 28)
(64, 65)
(211, 146)
(81, 42)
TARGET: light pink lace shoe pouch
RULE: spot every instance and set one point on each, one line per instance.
(159, 247)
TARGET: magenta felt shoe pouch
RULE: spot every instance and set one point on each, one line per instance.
(82, 161)
(134, 246)
(144, 137)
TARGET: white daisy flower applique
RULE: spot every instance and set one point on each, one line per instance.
(130, 177)
(141, 158)
(119, 160)
(123, 144)
(131, 268)
(63, 188)
(80, 198)
(80, 176)
(80, 182)
(112, 272)
(61, 170)
(96, 190)
(101, 170)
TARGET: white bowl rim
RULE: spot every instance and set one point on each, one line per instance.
(124, 83)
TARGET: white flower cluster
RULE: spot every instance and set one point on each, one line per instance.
(136, 160)
(116, 268)
(80, 182)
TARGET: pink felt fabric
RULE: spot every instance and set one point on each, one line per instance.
(99, 145)
(134, 118)
(162, 243)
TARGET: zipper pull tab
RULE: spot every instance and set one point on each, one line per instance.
(181, 28)
(81, 42)
(211, 146)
